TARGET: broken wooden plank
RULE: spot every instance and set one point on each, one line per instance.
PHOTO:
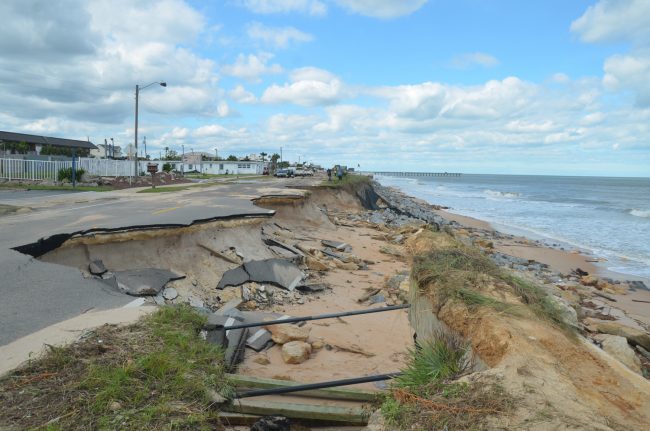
(348, 415)
(249, 382)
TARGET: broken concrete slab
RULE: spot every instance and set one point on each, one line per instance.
(96, 267)
(230, 305)
(279, 272)
(170, 293)
(144, 282)
(337, 245)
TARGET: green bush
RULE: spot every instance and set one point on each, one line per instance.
(167, 167)
(65, 174)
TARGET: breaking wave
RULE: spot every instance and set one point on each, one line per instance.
(640, 213)
(494, 194)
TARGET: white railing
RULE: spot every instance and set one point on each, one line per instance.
(19, 169)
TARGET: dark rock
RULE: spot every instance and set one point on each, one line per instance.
(312, 288)
(96, 267)
(272, 423)
(143, 282)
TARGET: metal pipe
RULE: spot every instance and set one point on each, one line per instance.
(321, 385)
(318, 317)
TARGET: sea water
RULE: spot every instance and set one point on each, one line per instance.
(609, 217)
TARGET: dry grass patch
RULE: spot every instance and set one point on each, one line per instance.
(154, 375)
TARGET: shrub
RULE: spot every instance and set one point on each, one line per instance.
(167, 167)
(65, 174)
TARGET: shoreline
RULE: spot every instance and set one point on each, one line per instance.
(562, 261)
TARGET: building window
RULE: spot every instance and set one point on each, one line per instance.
(190, 167)
(221, 166)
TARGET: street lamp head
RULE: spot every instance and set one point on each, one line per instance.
(163, 84)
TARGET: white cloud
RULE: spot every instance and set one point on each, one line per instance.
(241, 95)
(309, 86)
(278, 37)
(615, 20)
(469, 60)
(382, 8)
(560, 78)
(621, 21)
(629, 72)
(251, 67)
(217, 130)
(311, 7)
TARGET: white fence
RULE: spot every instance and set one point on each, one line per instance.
(19, 169)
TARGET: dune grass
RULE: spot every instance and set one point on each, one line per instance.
(457, 271)
(154, 375)
(427, 395)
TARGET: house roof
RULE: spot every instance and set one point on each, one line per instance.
(45, 140)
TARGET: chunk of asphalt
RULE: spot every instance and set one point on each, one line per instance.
(339, 256)
(144, 282)
(337, 245)
(170, 293)
(233, 277)
(234, 354)
(96, 267)
(110, 279)
(277, 271)
(260, 338)
(233, 303)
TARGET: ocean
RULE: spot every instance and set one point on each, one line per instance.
(608, 217)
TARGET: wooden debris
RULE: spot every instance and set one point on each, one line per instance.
(368, 294)
(249, 382)
(348, 415)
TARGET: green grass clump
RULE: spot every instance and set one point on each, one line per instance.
(348, 181)
(65, 187)
(426, 396)
(155, 374)
(168, 189)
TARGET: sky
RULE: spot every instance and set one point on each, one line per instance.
(550, 87)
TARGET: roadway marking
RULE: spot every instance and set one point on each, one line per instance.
(165, 210)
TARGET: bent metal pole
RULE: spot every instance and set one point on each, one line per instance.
(317, 317)
(321, 385)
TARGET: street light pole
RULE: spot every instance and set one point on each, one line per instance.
(137, 96)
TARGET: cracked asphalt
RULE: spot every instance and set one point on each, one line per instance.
(35, 294)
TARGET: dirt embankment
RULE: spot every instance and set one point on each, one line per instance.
(559, 378)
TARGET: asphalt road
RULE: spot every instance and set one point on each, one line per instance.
(35, 294)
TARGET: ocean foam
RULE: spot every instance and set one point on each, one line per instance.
(496, 194)
(640, 213)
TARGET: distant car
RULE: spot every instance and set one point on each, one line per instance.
(283, 173)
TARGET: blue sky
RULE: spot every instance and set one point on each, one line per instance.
(539, 87)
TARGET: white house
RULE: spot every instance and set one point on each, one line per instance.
(104, 151)
(211, 167)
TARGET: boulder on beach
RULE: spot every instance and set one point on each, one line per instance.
(296, 352)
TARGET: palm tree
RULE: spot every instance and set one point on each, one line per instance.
(263, 154)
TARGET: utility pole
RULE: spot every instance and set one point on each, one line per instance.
(112, 148)
(106, 148)
(183, 161)
(135, 166)
(145, 147)
(281, 160)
